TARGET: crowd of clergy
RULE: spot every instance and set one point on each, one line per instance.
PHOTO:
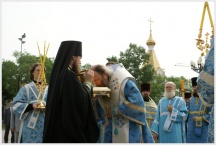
(129, 115)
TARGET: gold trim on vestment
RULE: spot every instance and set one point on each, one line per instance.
(141, 136)
(132, 119)
(196, 112)
(198, 121)
(197, 100)
(203, 101)
(132, 106)
(205, 119)
(150, 105)
(147, 112)
(208, 78)
(104, 128)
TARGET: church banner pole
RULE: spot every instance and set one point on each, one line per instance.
(182, 88)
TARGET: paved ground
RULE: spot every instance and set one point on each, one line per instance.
(9, 137)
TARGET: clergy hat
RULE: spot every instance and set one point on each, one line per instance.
(78, 50)
(145, 87)
(193, 80)
(76, 45)
(187, 94)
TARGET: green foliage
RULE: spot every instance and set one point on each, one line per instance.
(24, 63)
(86, 66)
(49, 64)
(133, 59)
(113, 59)
(157, 87)
(9, 80)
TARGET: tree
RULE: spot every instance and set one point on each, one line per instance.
(113, 59)
(9, 80)
(86, 66)
(157, 87)
(24, 62)
(49, 64)
(133, 59)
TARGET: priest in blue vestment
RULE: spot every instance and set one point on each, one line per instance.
(198, 118)
(169, 124)
(25, 108)
(205, 85)
(123, 114)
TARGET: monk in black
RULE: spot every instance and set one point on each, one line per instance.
(69, 116)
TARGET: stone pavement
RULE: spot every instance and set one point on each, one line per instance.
(9, 137)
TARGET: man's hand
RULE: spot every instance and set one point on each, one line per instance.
(155, 136)
(35, 106)
(170, 108)
(88, 76)
(194, 118)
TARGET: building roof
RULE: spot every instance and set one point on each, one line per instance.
(153, 60)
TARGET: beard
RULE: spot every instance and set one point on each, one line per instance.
(169, 95)
(146, 97)
(75, 68)
(195, 94)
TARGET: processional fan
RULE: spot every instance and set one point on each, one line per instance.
(202, 45)
(41, 86)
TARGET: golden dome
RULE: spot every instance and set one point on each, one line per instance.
(150, 41)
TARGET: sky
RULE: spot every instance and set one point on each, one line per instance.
(106, 28)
